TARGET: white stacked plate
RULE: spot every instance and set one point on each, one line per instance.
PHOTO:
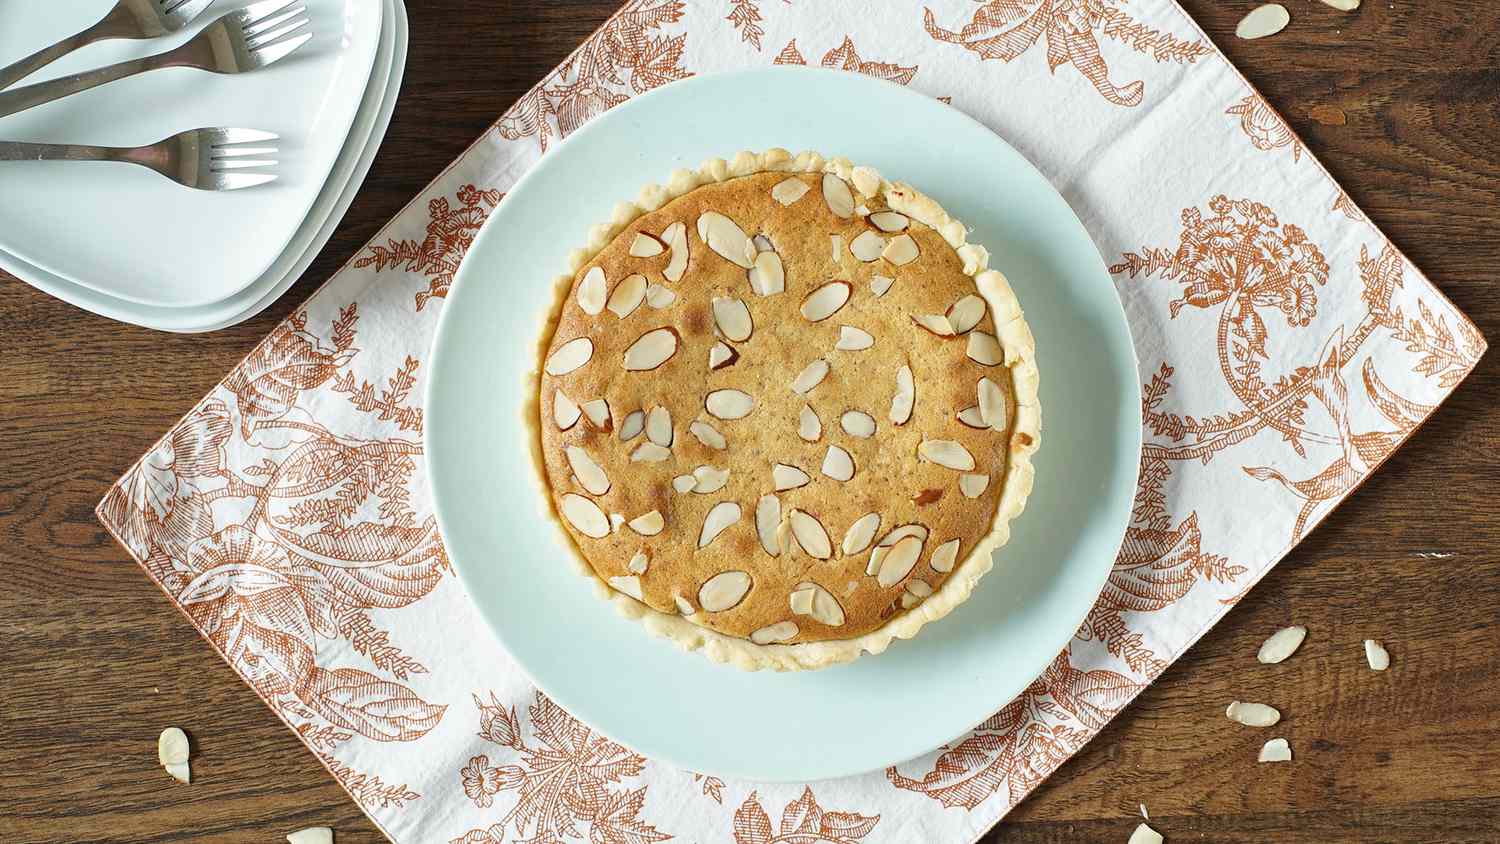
(127, 244)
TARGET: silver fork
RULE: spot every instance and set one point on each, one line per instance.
(241, 41)
(206, 159)
(134, 19)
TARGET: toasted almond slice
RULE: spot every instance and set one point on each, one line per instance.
(763, 243)
(172, 746)
(852, 339)
(905, 398)
(1275, 750)
(880, 284)
(867, 247)
(966, 313)
(767, 519)
(801, 599)
(627, 296)
(837, 464)
(857, 423)
(897, 563)
(729, 404)
(909, 600)
(768, 276)
(589, 474)
(709, 479)
(651, 350)
(1376, 655)
(836, 244)
(180, 771)
(311, 835)
(781, 631)
(597, 412)
(935, 323)
(876, 556)
(809, 426)
(629, 584)
(992, 404)
(724, 591)
(919, 589)
(984, 349)
(725, 237)
(946, 453)
(659, 297)
(659, 426)
(889, 221)
(1145, 835)
(1263, 21)
(565, 412)
(616, 521)
(944, 556)
(902, 250)
(684, 606)
(708, 435)
(810, 535)
(1281, 644)
(675, 236)
(684, 483)
(648, 524)
(972, 417)
(900, 532)
(821, 605)
(1252, 714)
(789, 190)
(862, 210)
(859, 535)
(838, 196)
(584, 515)
(645, 246)
(592, 291)
(811, 376)
(722, 355)
(649, 452)
(718, 520)
(825, 301)
(785, 477)
(973, 486)
(634, 424)
(733, 319)
(1342, 5)
(570, 355)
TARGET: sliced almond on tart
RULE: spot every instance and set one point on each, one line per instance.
(592, 291)
(825, 301)
(651, 350)
(570, 356)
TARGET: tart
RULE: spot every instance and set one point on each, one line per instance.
(783, 411)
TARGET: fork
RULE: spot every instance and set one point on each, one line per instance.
(240, 41)
(206, 159)
(135, 19)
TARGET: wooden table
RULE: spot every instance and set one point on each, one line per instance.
(1401, 101)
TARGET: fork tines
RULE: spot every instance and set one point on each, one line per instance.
(228, 150)
(182, 11)
(273, 28)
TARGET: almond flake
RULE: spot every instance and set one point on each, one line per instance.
(584, 515)
(943, 556)
(838, 196)
(629, 584)
(972, 417)
(781, 631)
(897, 563)
(909, 600)
(729, 404)
(801, 599)
(862, 210)
(836, 244)
(880, 284)
(1145, 835)
(809, 426)
(1275, 750)
(651, 350)
(837, 464)
(733, 319)
(811, 376)
(726, 239)
(627, 296)
(180, 771)
(935, 323)
(634, 424)
(565, 412)
(763, 243)
(676, 239)
(597, 412)
(571, 355)
(724, 591)
(857, 423)
(790, 190)
(1252, 714)
(902, 250)
(1263, 21)
(767, 519)
(592, 291)
(649, 452)
(852, 339)
(813, 600)
(859, 535)
(768, 276)
(906, 396)
(992, 404)
(684, 483)
(684, 606)
(645, 246)
(659, 297)
(966, 313)
(973, 486)
(1281, 644)
(785, 477)
(722, 355)
(648, 524)
(919, 589)
(946, 453)
(1376, 655)
(616, 521)
(899, 533)
(984, 349)
(659, 426)
(867, 247)
(172, 746)
(724, 514)
(311, 835)
(823, 302)
(588, 472)
(889, 221)
(810, 535)
(709, 479)
(708, 435)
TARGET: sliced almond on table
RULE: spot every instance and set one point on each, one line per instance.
(935, 323)
(972, 417)
(719, 519)
(859, 535)
(789, 190)
(825, 301)
(1342, 5)
(172, 747)
(1376, 655)
(767, 519)
(311, 835)
(839, 197)
(589, 474)
(781, 631)
(646, 246)
(634, 424)
(837, 464)
(984, 349)
(684, 483)
(889, 221)
(724, 591)
(946, 453)
(1145, 835)
(966, 313)
(651, 350)
(659, 426)
(729, 404)
(905, 398)
(880, 284)
(649, 452)
(707, 479)
(1252, 714)
(898, 562)
(944, 556)
(785, 477)
(629, 584)
(627, 296)
(725, 237)
(722, 355)
(857, 423)
(708, 435)
(180, 771)
(902, 250)
(648, 524)
(867, 247)
(992, 404)
(659, 297)
(597, 412)
(1275, 750)
(1263, 21)
(676, 239)
(809, 426)
(811, 376)
(565, 412)
(810, 535)
(853, 339)
(768, 276)
(732, 318)
(592, 291)
(1281, 644)
(973, 486)
(584, 515)
(569, 356)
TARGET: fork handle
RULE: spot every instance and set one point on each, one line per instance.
(17, 151)
(14, 73)
(20, 99)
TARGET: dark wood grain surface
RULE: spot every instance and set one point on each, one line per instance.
(1401, 101)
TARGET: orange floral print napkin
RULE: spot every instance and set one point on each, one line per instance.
(1287, 348)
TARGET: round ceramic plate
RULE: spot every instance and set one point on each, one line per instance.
(679, 707)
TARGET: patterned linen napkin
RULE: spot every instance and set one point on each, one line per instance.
(1287, 348)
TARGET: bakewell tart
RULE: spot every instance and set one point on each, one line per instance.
(783, 410)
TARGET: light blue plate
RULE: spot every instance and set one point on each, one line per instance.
(678, 707)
